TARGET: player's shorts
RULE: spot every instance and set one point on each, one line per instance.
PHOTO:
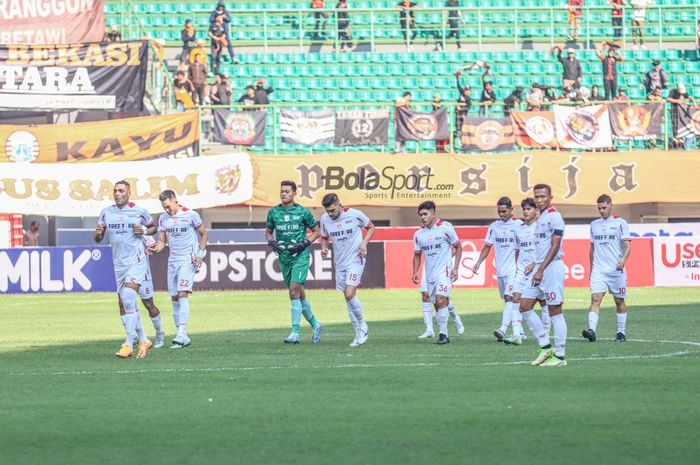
(521, 281)
(506, 285)
(146, 289)
(295, 271)
(423, 283)
(180, 277)
(552, 286)
(615, 282)
(135, 274)
(351, 276)
(442, 286)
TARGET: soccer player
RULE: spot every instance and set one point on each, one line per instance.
(124, 224)
(428, 311)
(344, 226)
(502, 233)
(289, 222)
(436, 239)
(610, 248)
(182, 229)
(547, 281)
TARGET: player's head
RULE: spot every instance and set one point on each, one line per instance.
(331, 203)
(604, 206)
(529, 209)
(504, 206)
(168, 200)
(543, 196)
(122, 192)
(288, 190)
(427, 213)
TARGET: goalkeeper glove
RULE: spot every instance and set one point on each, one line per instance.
(299, 246)
(276, 247)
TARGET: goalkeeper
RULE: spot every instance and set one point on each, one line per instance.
(289, 222)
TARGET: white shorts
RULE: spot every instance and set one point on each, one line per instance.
(423, 283)
(352, 276)
(180, 277)
(442, 286)
(135, 274)
(521, 281)
(552, 286)
(615, 282)
(146, 289)
(506, 285)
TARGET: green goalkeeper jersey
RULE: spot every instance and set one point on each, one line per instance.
(290, 227)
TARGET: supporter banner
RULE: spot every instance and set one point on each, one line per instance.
(361, 127)
(583, 127)
(688, 121)
(307, 127)
(144, 138)
(239, 127)
(411, 125)
(56, 269)
(534, 129)
(480, 180)
(486, 134)
(636, 122)
(97, 76)
(677, 261)
(255, 266)
(83, 190)
(51, 22)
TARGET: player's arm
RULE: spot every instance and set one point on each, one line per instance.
(368, 236)
(482, 256)
(315, 234)
(626, 250)
(591, 254)
(416, 265)
(324, 247)
(99, 233)
(160, 244)
(202, 251)
(151, 229)
(457, 250)
(553, 249)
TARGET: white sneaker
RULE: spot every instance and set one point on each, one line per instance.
(160, 340)
(428, 333)
(362, 334)
(181, 343)
(354, 342)
(460, 326)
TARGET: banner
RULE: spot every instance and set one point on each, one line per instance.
(688, 121)
(486, 134)
(144, 138)
(307, 127)
(583, 127)
(97, 76)
(534, 129)
(84, 190)
(576, 178)
(239, 127)
(677, 261)
(636, 122)
(51, 22)
(361, 127)
(411, 125)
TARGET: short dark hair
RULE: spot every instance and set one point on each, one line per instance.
(406, 94)
(329, 199)
(528, 202)
(427, 205)
(166, 195)
(604, 198)
(542, 186)
(250, 88)
(122, 181)
(188, 21)
(505, 201)
(180, 73)
(33, 223)
(291, 184)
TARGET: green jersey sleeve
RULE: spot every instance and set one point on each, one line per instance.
(309, 219)
(270, 222)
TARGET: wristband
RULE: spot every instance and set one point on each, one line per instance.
(201, 253)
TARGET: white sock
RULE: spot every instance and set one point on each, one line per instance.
(592, 320)
(453, 312)
(506, 318)
(157, 324)
(443, 317)
(517, 319)
(621, 322)
(536, 327)
(356, 306)
(546, 319)
(176, 312)
(123, 318)
(428, 316)
(184, 315)
(351, 315)
(139, 327)
(129, 296)
(130, 328)
(559, 325)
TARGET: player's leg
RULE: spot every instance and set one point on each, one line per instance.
(455, 317)
(340, 277)
(295, 301)
(172, 292)
(352, 281)
(146, 294)
(530, 295)
(507, 315)
(122, 314)
(517, 338)
(129, 294)
(546, 318)
(514, 307)
(309, 316)
(441, 291)
(553, 288)
(427, 308)
(598, 286)
(185, 282)
(618, 288)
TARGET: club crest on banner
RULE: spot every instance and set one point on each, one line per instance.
(228, 178)
(240, 128)
(423, 126)
(540, 129)
(488, 135)
(362, 128)
(582, 127)
(634, 121)
(22, 147)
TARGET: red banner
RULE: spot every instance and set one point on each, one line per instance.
(51, 21)
(534, 129)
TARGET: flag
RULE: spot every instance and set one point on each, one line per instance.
(534, 129)
(636, 122)
(486, 134)
(307, 127)
(411, 125)
(239, 127)
(361, 127)
(585, 127)
(688, 121)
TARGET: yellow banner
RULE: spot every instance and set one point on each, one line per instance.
(128, 139)
(379, 179)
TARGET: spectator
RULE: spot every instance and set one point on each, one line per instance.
(655, 77)
(617, 16)
(534, 97)
(621, 96)
(464, 102)
(344, 36)
(218, 42)
(609, 62)
(198, 76)
(639, 12)
(406, 20)
(488, 94)
(183, 92)
(220, 93)
(248, 99)
(595, 95)
(31, 236)
(321, 18)
(261, 92)
(656, 95)
(440, 145)
(567, 95)
(512, 102)
(221, 10)
(113, 35)
(200, 49)
(574, 18)
(571, 67)
(454, 17)
(402, 102)
(582, 95)
(188, 41)
(680, 96)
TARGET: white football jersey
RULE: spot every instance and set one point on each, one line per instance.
(501, 235)
(127, 248)
(181, 234)
(346, 234)
(549, 221)
(607, 237)
(525, 245)
(436, 245)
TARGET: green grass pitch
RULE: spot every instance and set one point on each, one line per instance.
(238, 395)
